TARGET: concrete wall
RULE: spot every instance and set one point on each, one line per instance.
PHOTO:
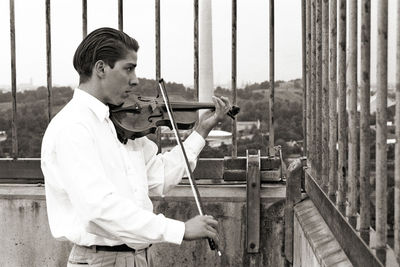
(26, 239)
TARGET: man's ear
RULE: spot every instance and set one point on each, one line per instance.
(99, 68)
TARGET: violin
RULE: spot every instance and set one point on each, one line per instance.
(140, 116)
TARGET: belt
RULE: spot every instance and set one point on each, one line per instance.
(119, 248)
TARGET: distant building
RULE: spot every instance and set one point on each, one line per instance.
(217, 137)
(242, 126)
(3, 136)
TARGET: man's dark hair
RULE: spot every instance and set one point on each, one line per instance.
(107, 44)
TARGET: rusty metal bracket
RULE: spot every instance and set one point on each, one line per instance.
(253, 202)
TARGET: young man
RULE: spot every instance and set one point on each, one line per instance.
(96, 187)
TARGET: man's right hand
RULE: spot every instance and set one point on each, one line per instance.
(201, 227)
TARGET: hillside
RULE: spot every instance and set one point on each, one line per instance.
(253, 100)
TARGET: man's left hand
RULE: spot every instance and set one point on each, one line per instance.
(209, 119)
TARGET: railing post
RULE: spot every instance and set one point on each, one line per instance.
(332, 98)
(318, 89)
(158, 59)
(340, 197)
(271, 78)
(253, 207)
(365, 141)
(293, 196)
(397, 148)
(84, 18)
(48, 57)
(304, 72)
(309, 84)
(381, 131)
(13, 83)
(120, 15)
(312, 89)
(353, 125)
(234, 73)
(325, 95)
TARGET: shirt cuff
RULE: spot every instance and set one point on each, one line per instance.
(195, 142)
(174, 231)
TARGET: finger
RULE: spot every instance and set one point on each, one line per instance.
(211, 234)
(217, 103)
(212, 222)
(211, 229)
(226, 101)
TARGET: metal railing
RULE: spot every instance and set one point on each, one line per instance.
(14, 153)
(338, 137)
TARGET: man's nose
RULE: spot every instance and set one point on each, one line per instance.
(133, 80)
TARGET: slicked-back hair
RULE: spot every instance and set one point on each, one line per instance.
(107, 44)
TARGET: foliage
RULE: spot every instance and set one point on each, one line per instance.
(32, 118)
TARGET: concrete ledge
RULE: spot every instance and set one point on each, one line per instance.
(26, 240)
(314, 243)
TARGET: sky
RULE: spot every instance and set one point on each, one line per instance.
(176, 39)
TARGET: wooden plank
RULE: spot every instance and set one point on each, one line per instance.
(239, 163)
(28, 170)
(355, 248)
(20, 171)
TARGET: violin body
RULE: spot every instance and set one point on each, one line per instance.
(141, 116)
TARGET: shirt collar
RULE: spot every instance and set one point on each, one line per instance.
(99, 108)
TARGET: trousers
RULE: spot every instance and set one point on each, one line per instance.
(81, 256)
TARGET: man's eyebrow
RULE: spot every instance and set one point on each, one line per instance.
(130, 65)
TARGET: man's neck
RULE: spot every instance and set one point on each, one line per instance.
(92, 89)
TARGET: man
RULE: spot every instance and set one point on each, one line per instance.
(96, 187)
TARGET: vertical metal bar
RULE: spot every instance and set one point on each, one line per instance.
(304, 72)
(120, 15)
(397, 148)
(381, 130)
(158, 42)
(253, 202)
(365, 64)
(271, 76)
(308, 92)
(352, 87)
(342, 106)
(84, 18)
(318, 88)
(196, 46)
(158, 59)
(13, 83)
(48, 58)
(332, 98)
(325, 96)
(312, 97)
(234, 73)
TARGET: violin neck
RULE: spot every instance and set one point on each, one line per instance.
(191, 106)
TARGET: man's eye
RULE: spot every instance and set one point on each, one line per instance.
(129, 68)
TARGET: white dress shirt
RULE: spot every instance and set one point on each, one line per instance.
(97, 188)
